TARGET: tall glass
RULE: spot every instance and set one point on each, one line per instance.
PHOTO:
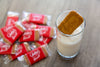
(68, 45)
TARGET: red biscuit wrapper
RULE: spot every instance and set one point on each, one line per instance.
(12, 17)
(21, 50)
(29, 35)
(7, 49)
(27, 25)
(43, 41)
(11, 33)
(36, 55)
(45, 31)
(37, 18)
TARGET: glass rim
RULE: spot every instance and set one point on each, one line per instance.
(71, 34)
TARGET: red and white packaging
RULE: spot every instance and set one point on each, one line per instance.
(21, 50)
(35, 55)
(29, 35)
(45, 31)
(11, 33)
(37, 18)
(12, 17)
(7, 49)
(42, 41)
(27, 25)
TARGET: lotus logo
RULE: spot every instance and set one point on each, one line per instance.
(27, 35)
(36, 17)
(12, 33)
(10, 20)
(19, 50)
(35, 55)
(4, 47)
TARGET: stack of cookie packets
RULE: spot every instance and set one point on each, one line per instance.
(26, 39)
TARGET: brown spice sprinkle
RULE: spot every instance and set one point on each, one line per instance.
(70, 23)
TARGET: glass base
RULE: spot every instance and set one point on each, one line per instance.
(67, 57)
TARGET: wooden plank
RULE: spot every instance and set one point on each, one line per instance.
(89, 52)
(4, 7)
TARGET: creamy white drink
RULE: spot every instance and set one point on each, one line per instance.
(69, 46)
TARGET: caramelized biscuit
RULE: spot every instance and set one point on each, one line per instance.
(37, 45)
(5, 40)
(44, 50)
(45, 20)
(13, 49)
(52, 32)
(27, 46)
(72, 21)
(36, 36)
(26, 59)
(18, 26)
(10, 58)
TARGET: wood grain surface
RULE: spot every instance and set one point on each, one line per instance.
(89, 55)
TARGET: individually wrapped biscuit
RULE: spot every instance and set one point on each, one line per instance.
(29, 35)
(35, 55)
(11, 33)
(12, 17)
(37, 18)
(46, 31)
(3, 47)
(21, 50)
(26, 24)
(7, 49)
(42, 41)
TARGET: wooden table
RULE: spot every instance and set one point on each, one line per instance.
(90, 47)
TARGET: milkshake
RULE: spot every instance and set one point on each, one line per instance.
(68, 45)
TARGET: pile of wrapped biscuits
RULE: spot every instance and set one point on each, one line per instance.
(26, 39)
